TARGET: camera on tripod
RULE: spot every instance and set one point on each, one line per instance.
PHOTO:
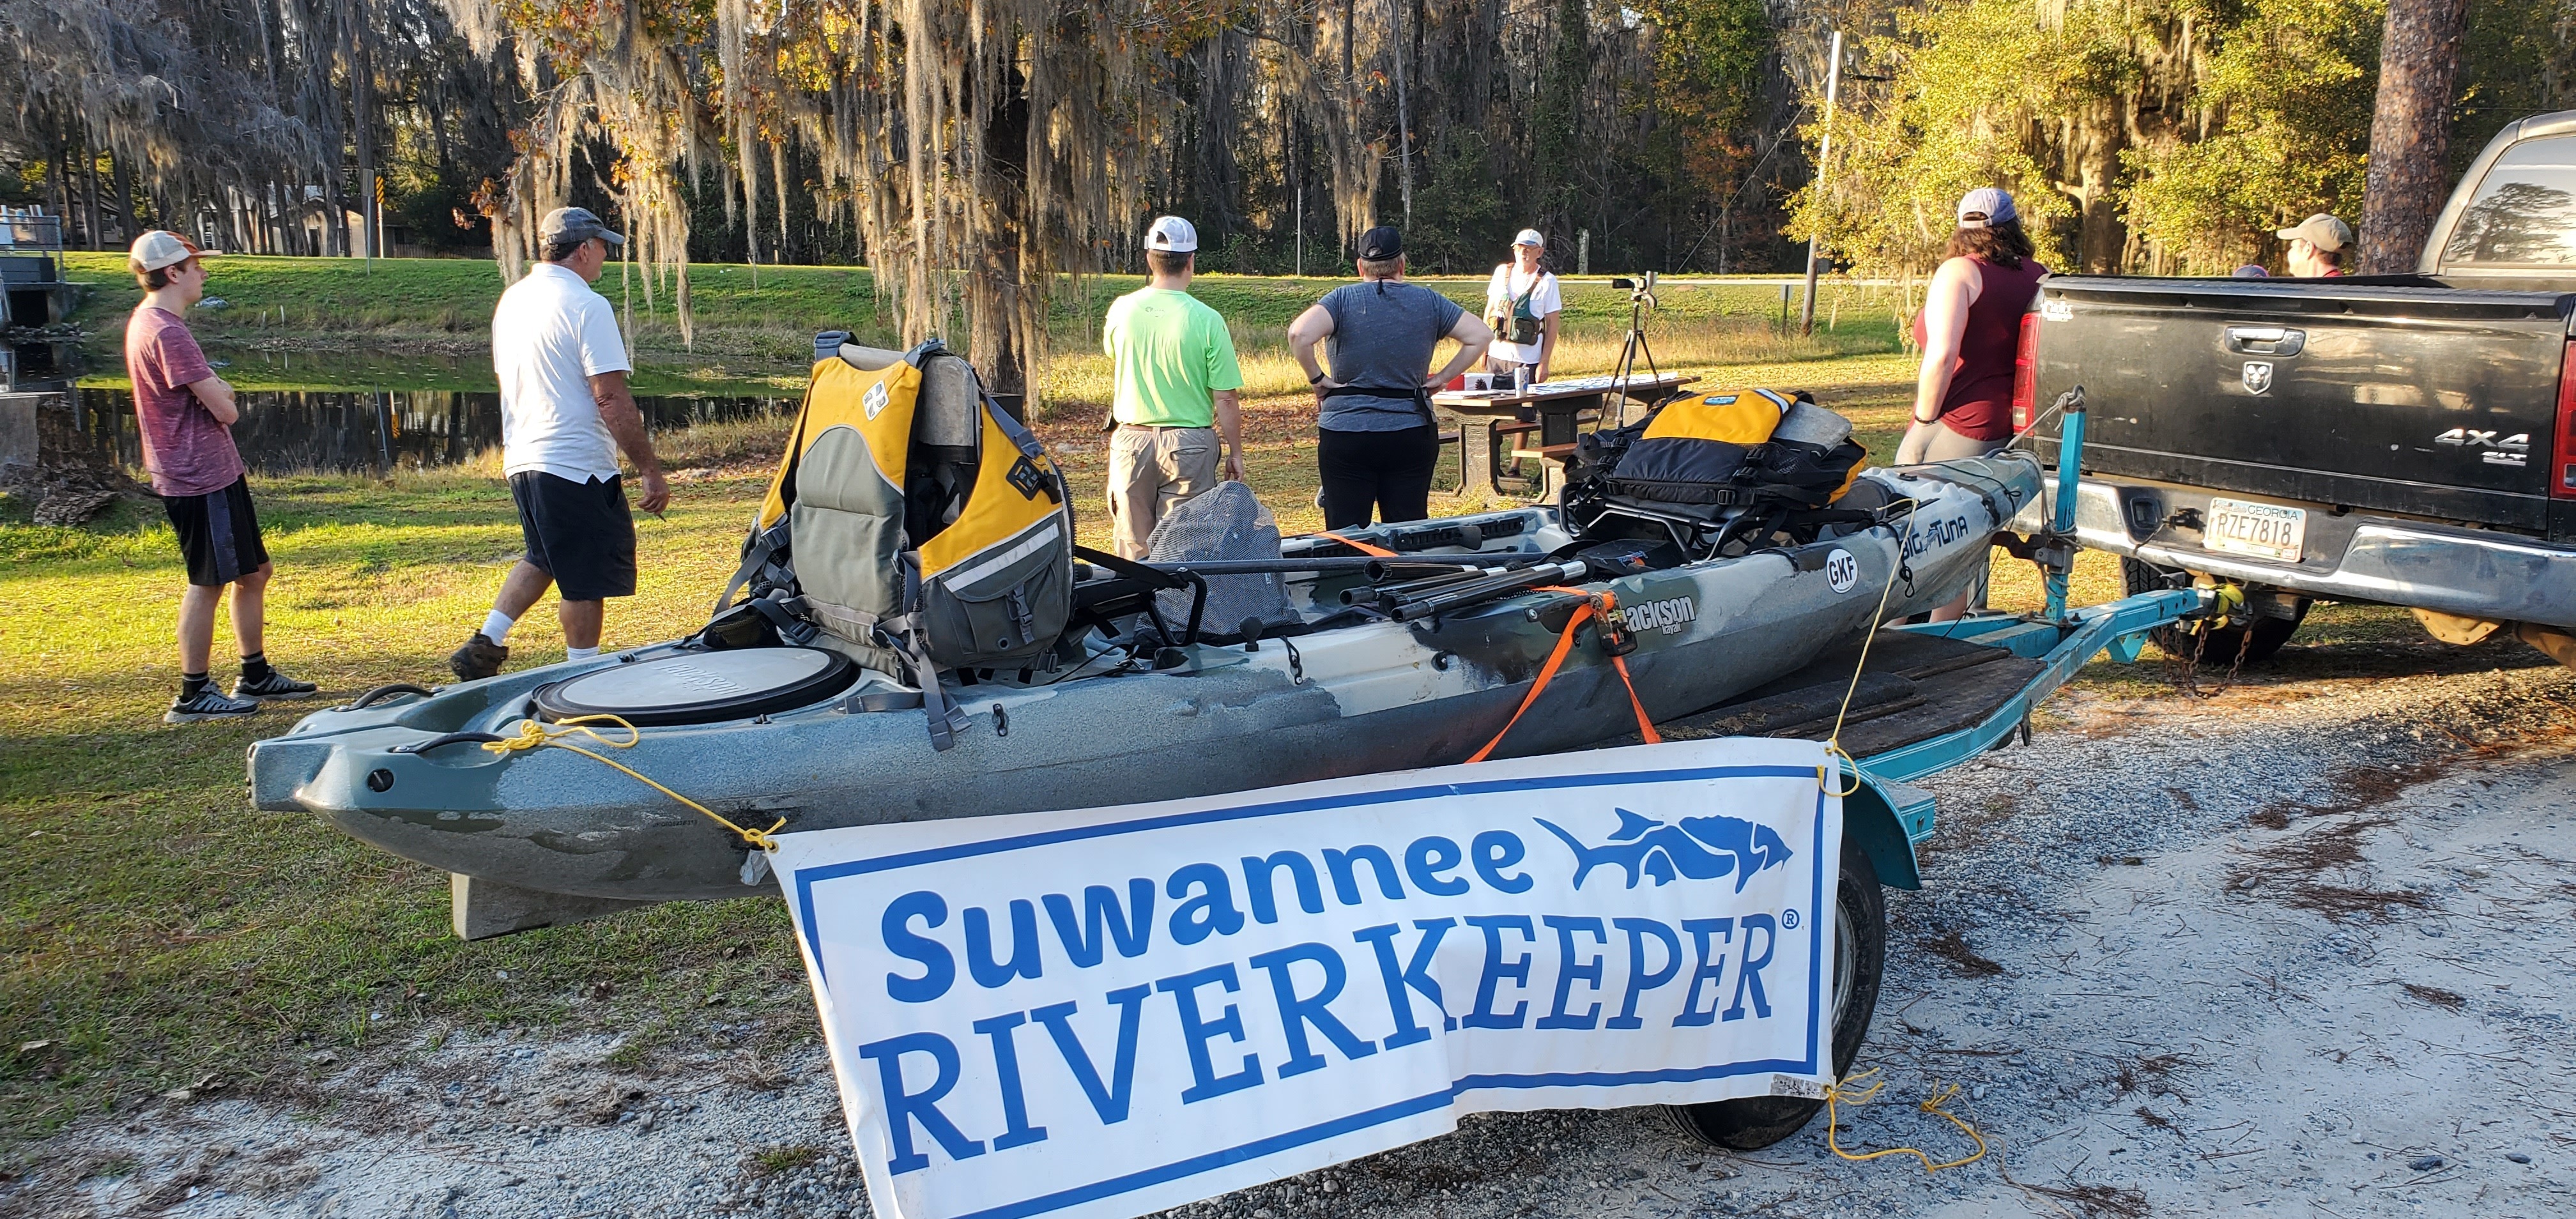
(1641, 291)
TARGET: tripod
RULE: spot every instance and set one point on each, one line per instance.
(1641, 301)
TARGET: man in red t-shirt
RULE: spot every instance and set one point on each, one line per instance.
(186, 414)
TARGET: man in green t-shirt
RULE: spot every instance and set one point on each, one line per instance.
(1176, 418)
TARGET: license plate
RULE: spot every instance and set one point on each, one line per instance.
(2266, 531)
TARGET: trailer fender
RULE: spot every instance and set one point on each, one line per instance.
(1885, 819)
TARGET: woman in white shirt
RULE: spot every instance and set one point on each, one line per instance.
(1521, 305)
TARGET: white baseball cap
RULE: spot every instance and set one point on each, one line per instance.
(1529, 237)
(1173, 234)
(163, 248)
(2321, 230)
(1986, 207)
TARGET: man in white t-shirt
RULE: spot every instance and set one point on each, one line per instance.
(1521, 305)
(565, 414)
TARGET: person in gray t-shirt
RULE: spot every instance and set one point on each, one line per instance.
(1376, 443)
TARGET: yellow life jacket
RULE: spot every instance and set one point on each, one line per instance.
(921, 527)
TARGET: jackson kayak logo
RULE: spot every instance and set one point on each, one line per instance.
(1668, 615)
(1699, 848)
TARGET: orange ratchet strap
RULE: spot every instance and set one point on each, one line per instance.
(1380, 552)
(1603, 604)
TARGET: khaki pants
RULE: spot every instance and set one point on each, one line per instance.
(1936, 442)
(1150, 471)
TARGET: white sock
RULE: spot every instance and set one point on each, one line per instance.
(580, 653)
(496, 626)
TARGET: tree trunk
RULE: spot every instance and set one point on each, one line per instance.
(89, 186)
(2410, 135)
(128, 224)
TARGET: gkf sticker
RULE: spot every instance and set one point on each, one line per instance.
(1842, 571)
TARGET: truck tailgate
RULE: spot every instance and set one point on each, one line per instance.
(2408, 398)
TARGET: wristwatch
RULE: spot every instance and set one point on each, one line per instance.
(1316, 379)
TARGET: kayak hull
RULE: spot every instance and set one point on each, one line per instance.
(1359, 700)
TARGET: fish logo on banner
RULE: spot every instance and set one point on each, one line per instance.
(1700, 848)
(1109, 1012)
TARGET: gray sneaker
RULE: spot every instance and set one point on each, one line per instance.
(209, 704)
(275, 685)
(478, 659)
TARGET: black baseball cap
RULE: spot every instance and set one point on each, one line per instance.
(1381, 243)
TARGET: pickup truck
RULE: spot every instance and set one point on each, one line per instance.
(2404, 440)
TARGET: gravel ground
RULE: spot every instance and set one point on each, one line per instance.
(2303, 948)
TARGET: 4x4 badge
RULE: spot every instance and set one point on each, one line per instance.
(2258, 376)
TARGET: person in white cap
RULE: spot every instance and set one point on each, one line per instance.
(564, 400)
(1970, 332)
(2318, 246)
(186, 413)
(1521, 305)
(1176, 418)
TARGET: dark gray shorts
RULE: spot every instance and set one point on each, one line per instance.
(579, 533)
(218, 534)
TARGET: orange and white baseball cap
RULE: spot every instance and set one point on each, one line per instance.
(163, 248)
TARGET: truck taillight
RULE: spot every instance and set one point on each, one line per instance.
(2026, 373)
(2562, 465)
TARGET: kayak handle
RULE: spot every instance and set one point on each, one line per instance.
(453, 738)
(381, 693)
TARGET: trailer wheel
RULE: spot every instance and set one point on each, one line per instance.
(2224, 647)
(1860, 954)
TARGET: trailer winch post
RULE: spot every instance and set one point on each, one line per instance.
(2061, 517)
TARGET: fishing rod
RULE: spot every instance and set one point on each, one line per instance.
(1441, 601)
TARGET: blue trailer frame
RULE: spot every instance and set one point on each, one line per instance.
(1885, 815)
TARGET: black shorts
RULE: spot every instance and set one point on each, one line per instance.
(579, 533)
(218, 534)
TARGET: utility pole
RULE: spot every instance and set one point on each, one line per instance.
(1298, 185)
(1403, 112)
(361, 105)
(1824, 154)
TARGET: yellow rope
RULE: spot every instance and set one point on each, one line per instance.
(1834, 740)
(533, 735)
(1836, 1092)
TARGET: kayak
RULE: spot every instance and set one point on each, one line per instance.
(1526, 644)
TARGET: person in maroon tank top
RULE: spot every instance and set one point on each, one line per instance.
(1969, 332)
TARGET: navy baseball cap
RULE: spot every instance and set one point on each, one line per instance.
(1381, 243)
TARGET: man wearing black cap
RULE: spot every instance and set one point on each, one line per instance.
(1376, 444)
(565, 414)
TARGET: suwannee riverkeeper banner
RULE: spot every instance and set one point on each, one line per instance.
(1113, 1011)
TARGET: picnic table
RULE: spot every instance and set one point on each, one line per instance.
(1537, 424)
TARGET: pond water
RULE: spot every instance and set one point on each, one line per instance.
(362, 425)
(375, 431)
